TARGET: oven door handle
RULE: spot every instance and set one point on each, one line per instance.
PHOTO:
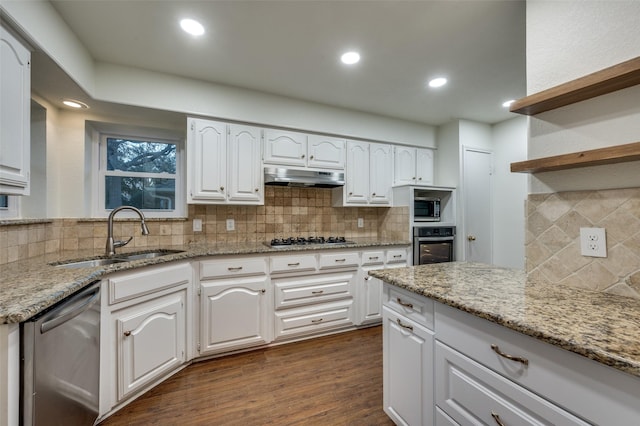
(433, 239)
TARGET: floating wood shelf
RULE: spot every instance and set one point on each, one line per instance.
(620, 76)
(594, 157)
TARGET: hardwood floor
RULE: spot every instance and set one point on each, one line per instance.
(333, 380)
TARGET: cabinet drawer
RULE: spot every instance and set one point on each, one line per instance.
(305, 262)
(372, 258)
(147, 280)
(300, 291)
(396, 255)
(236, 267)
(417, 308)
(312, 319)
(569, 380)
(471, 393)
(339, 260)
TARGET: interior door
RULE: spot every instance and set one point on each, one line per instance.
(477, 206)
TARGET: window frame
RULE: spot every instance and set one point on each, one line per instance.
(99, 167)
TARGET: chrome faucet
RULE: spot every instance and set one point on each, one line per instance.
(112, 245)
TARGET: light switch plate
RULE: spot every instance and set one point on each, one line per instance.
(197, 225)
(360, 222)
(231, 225)
(593, 242)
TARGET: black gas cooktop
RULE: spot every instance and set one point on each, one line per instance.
(300, 241)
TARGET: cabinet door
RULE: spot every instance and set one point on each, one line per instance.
(286, 148)
(370, 295)
(424, 167)
(326, 152)
(206, 161)
(380, 174)
(407, 370)
(234, 314)
(404, 165)
(15, 111)
(245, 174)
(357, 173)
(150, 341)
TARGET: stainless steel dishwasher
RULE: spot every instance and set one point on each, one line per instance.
(60, 351)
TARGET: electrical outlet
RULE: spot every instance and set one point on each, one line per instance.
(360, 222)
(593, 242)
(197, 225)
(231, 225)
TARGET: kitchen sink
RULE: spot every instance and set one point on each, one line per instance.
(145, 255)
(120, 258)
(89, 263)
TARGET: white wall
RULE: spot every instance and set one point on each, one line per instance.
(509, 193)
(567, 40)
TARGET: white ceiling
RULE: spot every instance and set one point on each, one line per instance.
(292, 48)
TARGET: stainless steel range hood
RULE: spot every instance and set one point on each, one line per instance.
(302, 178)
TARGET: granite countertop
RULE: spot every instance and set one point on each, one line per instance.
(30, 286)
(599, 326)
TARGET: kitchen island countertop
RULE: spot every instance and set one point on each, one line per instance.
(600, 326)
(30, 286)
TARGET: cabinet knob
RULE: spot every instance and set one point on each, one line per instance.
(222, 188)
(419, 178)
(374, 194)
(127, 333)
(302, 156)
(257, 190)
(263, 291)
(351, 193)
(414, 178)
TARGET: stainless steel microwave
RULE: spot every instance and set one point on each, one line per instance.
(426, 209)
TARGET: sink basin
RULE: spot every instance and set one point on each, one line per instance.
(145, 255)
(90, 263)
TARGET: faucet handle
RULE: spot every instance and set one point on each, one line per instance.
(117, 244)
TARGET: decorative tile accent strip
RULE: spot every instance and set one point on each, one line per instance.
(553, 239)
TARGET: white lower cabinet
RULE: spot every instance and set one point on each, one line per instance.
(234, 314)
(407, 370)
(144, 331)
(150, 341)
(236, 304)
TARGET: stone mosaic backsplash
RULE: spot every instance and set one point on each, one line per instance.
(287, 212)
(553, 239)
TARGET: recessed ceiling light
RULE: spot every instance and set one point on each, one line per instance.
(192, 27)
(507, 104)
(75, 104)
(350, 58)
(438, 82)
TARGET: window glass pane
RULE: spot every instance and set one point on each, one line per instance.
(143, 193)
(4, 201)
(140, 156)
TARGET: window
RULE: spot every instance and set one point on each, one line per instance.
(4, 202)
(140, 172)
(8, 207)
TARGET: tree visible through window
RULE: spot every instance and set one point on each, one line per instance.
(140, 173)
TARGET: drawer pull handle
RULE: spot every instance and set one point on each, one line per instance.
(374, 258)
(406, 305)
(341, 260)
(497, 350)
(235, 269)
(408, 327)
(317, 292)
(293, 264)
(496, 417)
(316, 321)
(127, 333)
(397, 256)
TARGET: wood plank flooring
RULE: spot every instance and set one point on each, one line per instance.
(332, 380)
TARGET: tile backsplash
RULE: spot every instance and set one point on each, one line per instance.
(286, 212)
(553, 239)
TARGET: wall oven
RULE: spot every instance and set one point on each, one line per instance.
(433, 244)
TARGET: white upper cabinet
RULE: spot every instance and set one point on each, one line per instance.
(15, 107)
(298, 149)
(326, 152)
(412, 166)
(223, 163)
(368, 176)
